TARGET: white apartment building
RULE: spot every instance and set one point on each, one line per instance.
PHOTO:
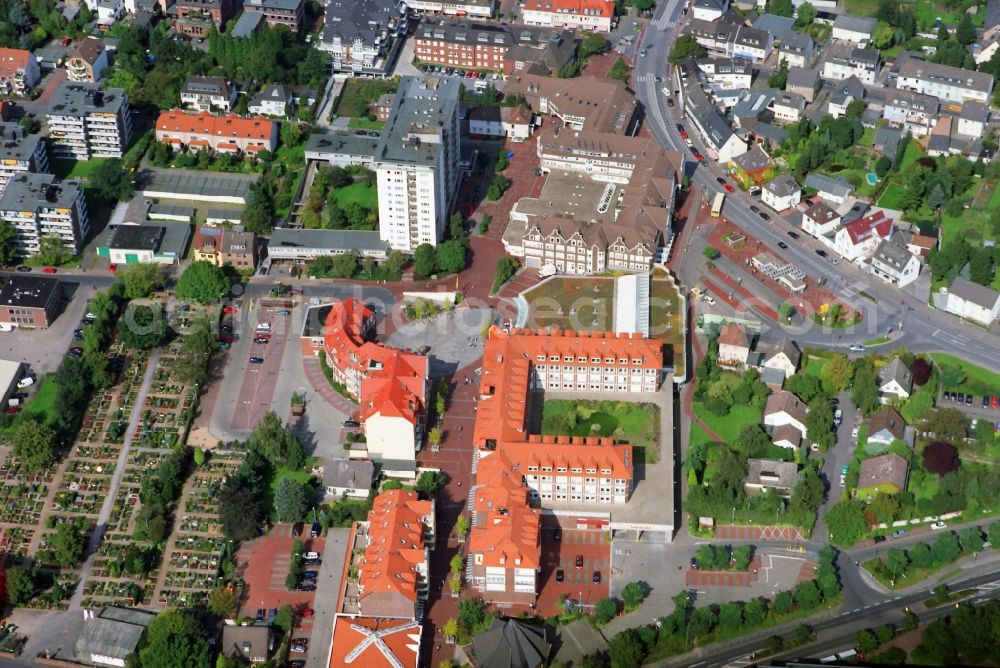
(782, 192)
(844, 63)
(38, 206)
(20, 153)
(727, 73)
(86, 122)
(208, 94)
(911, 111)
(944, 82)
(592, 15)
(416, 163)
(972, 301)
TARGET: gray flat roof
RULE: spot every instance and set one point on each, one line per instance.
(79, 99)
(195, 184)
(423, 107)
(28, 192)
(15, 144)
(283, 237)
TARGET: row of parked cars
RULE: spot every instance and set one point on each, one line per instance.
(458, 72)
(970, 399)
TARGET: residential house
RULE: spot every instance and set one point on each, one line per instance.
(709, 10)
(159, 242)
(109, 12)
(911, 111)
(591, 15)
(784, 408)
(727, 73)
(38, 206)
(895, 381)
(884, 474)
(517, 123)
(849, 90)
(943, 81)
(729, 36)
(485, 122)
(820, 220)
(196, 17)
(364, 38)
(858, 239)
(781, 193)
(88, 61)
(778, 26)
(853, 29)
(223, 246)
(348, 478)
(989, 39)
(886, 426)
(253, 643)
(208, 94)
(844, 62)
(834, 189)
(734, 346)
(226, 134)
(374, 641)
(804, 81)
(788, 107)
(86, 121)
(797, 49)
(19, 71)
(753, 167)
(894, 264)
(382, 106)
(272, 100)
(20, 153)
(887, 140)
(787, 436)
(278, 12)
(973, 119)
(973, 301)
(785, 357)
(768, 474)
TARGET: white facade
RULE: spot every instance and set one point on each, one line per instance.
(390, 437)
(595, 22)
(486, 127)
(944, 82)
(576, 487)
(786, 113)
(780, 198)
(893, 390)
(900, 276)
(964, 308)
(411, 207)
(782, 418)
(820, 228)
(846, 247)
(845, 68)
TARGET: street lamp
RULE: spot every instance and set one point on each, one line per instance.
(734, 516)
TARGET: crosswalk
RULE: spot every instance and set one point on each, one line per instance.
(854, 288)
(665, 23)
(740, 662)
(989, 586)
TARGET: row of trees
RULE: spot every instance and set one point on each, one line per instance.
(633, 594)
(351, 265)
(946, 548)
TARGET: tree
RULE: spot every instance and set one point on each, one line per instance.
(141, 280)
(20, 584)
(731, 615)
(202, 282)
(993, 534)
(239, 510)
(34, 444)
(686, 46)
(896, 562)
(711, 253)
(434, 436)
(940, 458)
(291, 500)
(864, 391)
(779, 78)
(920, 555)
(285, 618)
(191, 365)
(883, 35)
(634, 593)
(972, 539)
(110, 181)
(222, 602)
(865, 641)
(948, 424)
(143, 327)
(806, 14)
(742, 555)
(965, 33)
(754, 612)
(819, 424)
(619, 70)
(471, 613)
(8, 249)
(626, 650)
(945, 548)
(805, 386)
(806, 595)
(605, 610)
(450, 256)
(780, 7)
(704, 557)
(68, 544)
(424, 261)
(52, 250)
(462, 526)
(846, 522)
(272, 441)
(592, 44)
(175, 638)
(450, 628)
(782, 603)
(837, 374)
(430, 482)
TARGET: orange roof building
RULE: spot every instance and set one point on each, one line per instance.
(363, 642)
(391, 385)
(594, 15)
(228, 133)
(19, 71)
(393, 576)
(517, 470)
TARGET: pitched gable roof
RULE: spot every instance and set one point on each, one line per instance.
(887, 418)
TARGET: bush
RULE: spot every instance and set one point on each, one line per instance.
(605, 610)
(711, 253)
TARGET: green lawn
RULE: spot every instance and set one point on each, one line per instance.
(365, 195)
(74, 169)
(40, 406)
(977, 379)
(365, 124)
(814, 366)
(892, 198)
(729, 426)
(571, 303)
(638, 424)
(861, 7)
(359, 94)
(994, 202)
(928, 11)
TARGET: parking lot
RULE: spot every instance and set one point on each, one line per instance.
(43, 349)
(578, 583)
(263, 339)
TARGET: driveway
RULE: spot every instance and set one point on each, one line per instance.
(836, 458)
(43, 349)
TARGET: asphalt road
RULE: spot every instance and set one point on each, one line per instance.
(923, 328)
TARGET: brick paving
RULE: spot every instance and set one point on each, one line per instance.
(578, 583)
(758, 533)
(258, 383)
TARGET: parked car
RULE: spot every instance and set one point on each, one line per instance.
(900, 533)
(854, 432)
(986, 401)
(694, 564)
(721, 180)
(228, 309)
(297, 529)
(579, 561)
(843, 481)
(311, 562)
(23, 268)
(937, 526)
(729, 188)
(878, 539)
(782, 245)
(353, 424)
(820, 252)
(597, 577)
(560, 575)
(260, 614)
(960, 397)
(271, 614)
(297, 663)
(256, 360)
(283, 311)
(307, 586)
(792, 234)
(27, 381)
(310, 555)
(968, 400)
(843, 469)
(765, 216)
(316, 530)
(49, 270)
(994, 402)
(223, 345)
(753, 207)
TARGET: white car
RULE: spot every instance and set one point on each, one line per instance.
(27, 381)
(858, 348)
(710, 301)
(854, 432)
(842, 481)
(937, 526)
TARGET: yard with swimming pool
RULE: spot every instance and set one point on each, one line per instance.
(638, 424)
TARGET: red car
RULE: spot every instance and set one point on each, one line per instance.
(994, 402)
(684, 134)
(579, 561)
(228, 309)
(225, 339)
(729, 188)
(49, 270)
(699, 157)
(112, 267)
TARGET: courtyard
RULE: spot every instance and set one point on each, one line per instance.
(578, 304)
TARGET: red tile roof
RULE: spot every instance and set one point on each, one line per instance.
(603, 8)
(863, 229)
(507, 528)
(205, 123)
(732, 334)
(355, 638)
(13, 61)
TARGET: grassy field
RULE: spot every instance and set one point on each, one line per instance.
(41, 405)
(365, 124)
(977, 379)
(666, 321)
(639, 424)
(730, 426)
(911, 577)
(365, 195)
(814, 366)
(74, 169)
(358, 95)
(892, 198)
(581, 304)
